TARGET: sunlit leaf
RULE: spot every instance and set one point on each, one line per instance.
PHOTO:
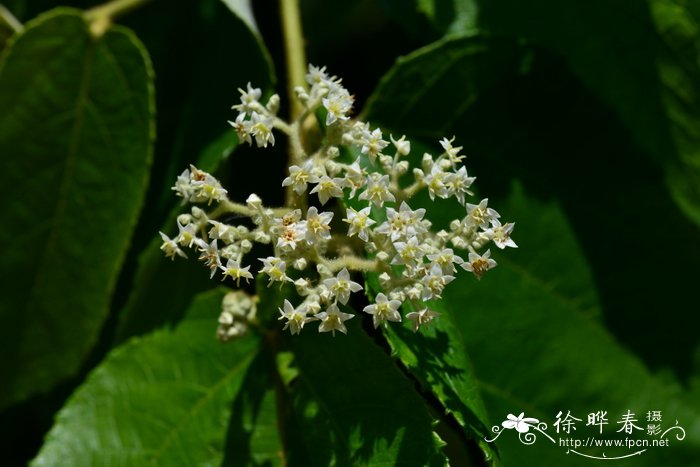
(163, 399)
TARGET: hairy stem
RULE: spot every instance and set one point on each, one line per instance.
(294, 50)
(229, 207)
(9, 20)
(353, 263)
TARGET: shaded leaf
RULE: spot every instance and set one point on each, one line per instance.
(253, 435)
(76, 133)
(439, 359)
(535, 351)
(645, 68)
(163, 399)
(352, 406)
(679, 71)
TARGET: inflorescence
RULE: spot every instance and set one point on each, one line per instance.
(315, 254)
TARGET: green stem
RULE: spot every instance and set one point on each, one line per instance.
(294, 49)
(102, 16)
(8, 19)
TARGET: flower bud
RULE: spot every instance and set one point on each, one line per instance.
(383, 256)
(273, 104)
(254, 201)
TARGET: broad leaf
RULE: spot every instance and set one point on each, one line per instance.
(163, 399)
(352, 406)
(644, 67)
(254, 437)
(75, 133)
(534, 350)
(679, 72)
(438, 358)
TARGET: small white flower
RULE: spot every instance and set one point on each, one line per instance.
(410, 252)
(187, 235)
(341, 286)
(291, 235)
(275, 268)
(421, 317)
(447, 260)
(435, 181)
(332, 320)
(318, 225)
(170, 247)
(296, 318)
(298, 177)
(316, 75)
(261, 129)
(208, 189)
(404, 223)
(402, 146)
(373, 144)
(210, 255)
(355, 178)
(458, 184)
(383, 310)
(235, 271)
(481, 215)
(377, 190)
(452, 153)
(328, 188)
(359, 223)
(500, 234)
(249, 99)
(479, 264)
(434, 282)
(338, 104)
(242, 127)
(223, 232)
(183, 186)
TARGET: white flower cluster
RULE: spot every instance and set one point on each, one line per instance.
(313, 253)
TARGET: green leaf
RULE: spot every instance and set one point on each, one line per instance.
(432, 19)
(162, 288)
(679, 72)
(431, 80)
(438, 358)
(76, 132)
(536, 351)
(163, 399)
(352, 406)
(645, 68)
(253, 436)
(243, 9)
